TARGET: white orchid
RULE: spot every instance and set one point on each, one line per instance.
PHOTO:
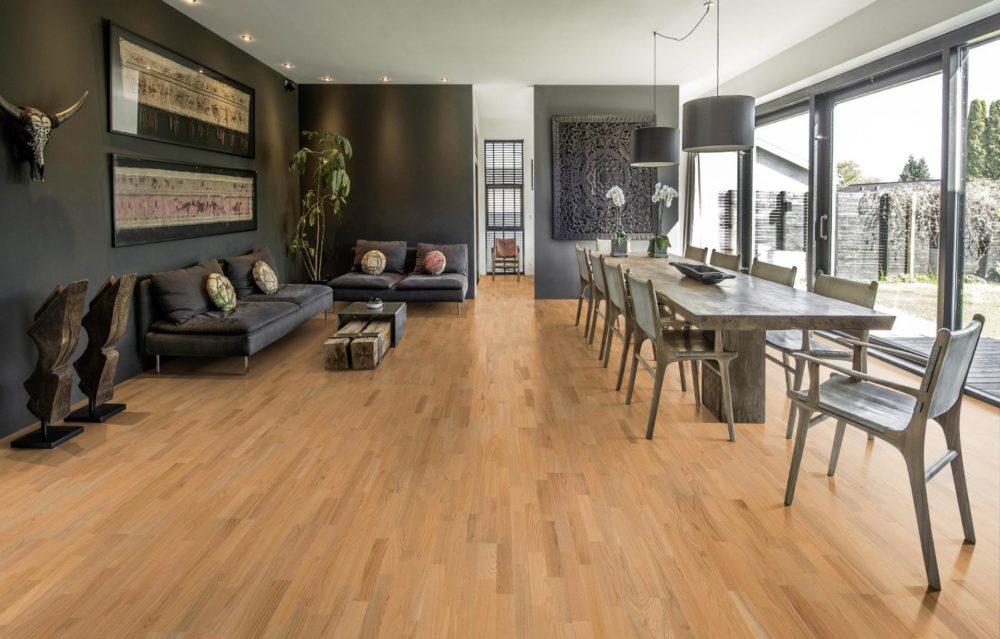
(616, 195)
(663, 193)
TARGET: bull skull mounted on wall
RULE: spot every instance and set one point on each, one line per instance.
(32, 129)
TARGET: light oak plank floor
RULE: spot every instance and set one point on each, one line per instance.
(485, 481)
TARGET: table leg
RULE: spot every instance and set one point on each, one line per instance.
(746, 375)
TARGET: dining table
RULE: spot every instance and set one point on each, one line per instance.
(744, 308)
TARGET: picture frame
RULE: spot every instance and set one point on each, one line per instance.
(160, 201)
(157, 94)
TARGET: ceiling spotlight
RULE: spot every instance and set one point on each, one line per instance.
(288, 65)
(246, 37)
(192, 1)
(327, 78)
(384, 78)
(444, 79)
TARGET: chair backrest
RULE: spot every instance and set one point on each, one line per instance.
(773, 272)
(644, 308)
(948, 365)
(725, 260)
(696, 253)
(838, 288)
(581, 263)
(597, 273)
(506, 247)
(614, 279)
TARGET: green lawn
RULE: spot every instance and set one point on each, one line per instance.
(919, 300)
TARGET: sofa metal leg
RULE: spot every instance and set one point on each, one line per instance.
(157, 364)
(246, 364)
(459, 308)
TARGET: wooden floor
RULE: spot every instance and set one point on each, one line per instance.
(486, 481)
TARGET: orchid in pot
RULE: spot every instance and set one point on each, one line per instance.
(663, 196)
(619, 239)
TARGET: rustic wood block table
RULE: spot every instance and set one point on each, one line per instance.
(395, 312)
(744, 308)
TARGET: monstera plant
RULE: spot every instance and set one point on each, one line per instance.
(328, 195)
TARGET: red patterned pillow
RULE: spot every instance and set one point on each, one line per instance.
(434, 263)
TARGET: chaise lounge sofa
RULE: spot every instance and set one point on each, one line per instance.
(403, 279)
(177, 318)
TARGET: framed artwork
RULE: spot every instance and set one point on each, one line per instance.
(160, 95)
(161, 201)
(590, 154)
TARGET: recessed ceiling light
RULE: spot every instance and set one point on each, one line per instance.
(192, 1)
(246, 37)
(384, 78)
(327, 78)
(288, 65)
(444, 79)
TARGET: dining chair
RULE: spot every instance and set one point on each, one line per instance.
(673, 341)
(618, 308)
(773, 272)
(586, 286)
(794, 341)
(599, 293)
(696, 253)
(507, 254)
(725, 260)
(898, 414)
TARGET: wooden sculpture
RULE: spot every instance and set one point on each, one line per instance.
(55, 332)
(106, 323)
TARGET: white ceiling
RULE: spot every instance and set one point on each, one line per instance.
(519, 42)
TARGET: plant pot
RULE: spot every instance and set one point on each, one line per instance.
(619, 249)
(654, 250)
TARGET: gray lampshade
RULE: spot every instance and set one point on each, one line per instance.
(654, 146)
(719, 123)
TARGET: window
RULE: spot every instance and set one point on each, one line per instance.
(505, 192)
(716, 206)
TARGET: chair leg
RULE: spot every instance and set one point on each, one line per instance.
(605, 334)
(684, 385)
(838, 439)
(625, 345)
(607, 349)
(915, 469)
(493, 268)
(695, 382)
(800, 369)
(661, 369)
(800, 445)
(635, 366)
(593, 320)
(727, 396)
(579, 308)
(590, 312)
(788, 372)
(953, 439)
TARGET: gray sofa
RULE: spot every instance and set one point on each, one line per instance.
(400, 282)
(178, 320)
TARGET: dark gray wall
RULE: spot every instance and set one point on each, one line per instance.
(59, 230)
(555, 263)
(412, 174)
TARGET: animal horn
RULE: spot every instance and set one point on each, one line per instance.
(9, 108)
(62, 116)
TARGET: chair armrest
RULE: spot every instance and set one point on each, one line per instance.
(902, 388)
(907, 355)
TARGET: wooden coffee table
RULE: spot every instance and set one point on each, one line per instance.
(392, 311)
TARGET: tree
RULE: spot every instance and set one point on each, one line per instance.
(915, 170)
(991, 141)
(975, 146)
(849, 172)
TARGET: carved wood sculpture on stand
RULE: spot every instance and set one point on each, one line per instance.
(106, 322)
(55, 332)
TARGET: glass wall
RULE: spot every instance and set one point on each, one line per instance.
(716, 204)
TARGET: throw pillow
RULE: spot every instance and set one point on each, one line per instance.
(239, 269)
(181, 294)
(434, 263)
(395, 254)
(373, 263)
(265, 277)
(456, 256)
(221, 292)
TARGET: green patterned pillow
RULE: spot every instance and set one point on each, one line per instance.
(221, 292)
(265, 278)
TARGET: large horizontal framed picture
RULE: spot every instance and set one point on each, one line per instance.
(161, 95)
(158, 201)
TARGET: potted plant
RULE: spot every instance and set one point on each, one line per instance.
(328, 195)
(619, 239)
(663, 196)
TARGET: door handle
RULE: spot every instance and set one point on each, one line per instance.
(822, 227)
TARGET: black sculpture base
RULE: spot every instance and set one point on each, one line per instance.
(96, 415)
(47, 437)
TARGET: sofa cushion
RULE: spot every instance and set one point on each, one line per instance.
(239, 270)
(395, 254)
(362, 281)
(456, 257)
(445, 281)
(299, 294)
(246, 318)
(181, 294)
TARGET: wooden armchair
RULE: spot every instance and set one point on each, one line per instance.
(897, 414)
(506, 254)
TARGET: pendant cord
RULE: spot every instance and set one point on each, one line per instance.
(718, 24)
(654, 76)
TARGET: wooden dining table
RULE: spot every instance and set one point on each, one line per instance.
(744, 308)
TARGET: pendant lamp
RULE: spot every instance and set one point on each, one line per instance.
(721, 122)
(656, 145)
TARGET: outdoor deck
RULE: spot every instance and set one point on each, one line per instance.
(984, 378)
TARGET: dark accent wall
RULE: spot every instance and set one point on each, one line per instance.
(412, 174)
(555, 263)
(59, 230)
